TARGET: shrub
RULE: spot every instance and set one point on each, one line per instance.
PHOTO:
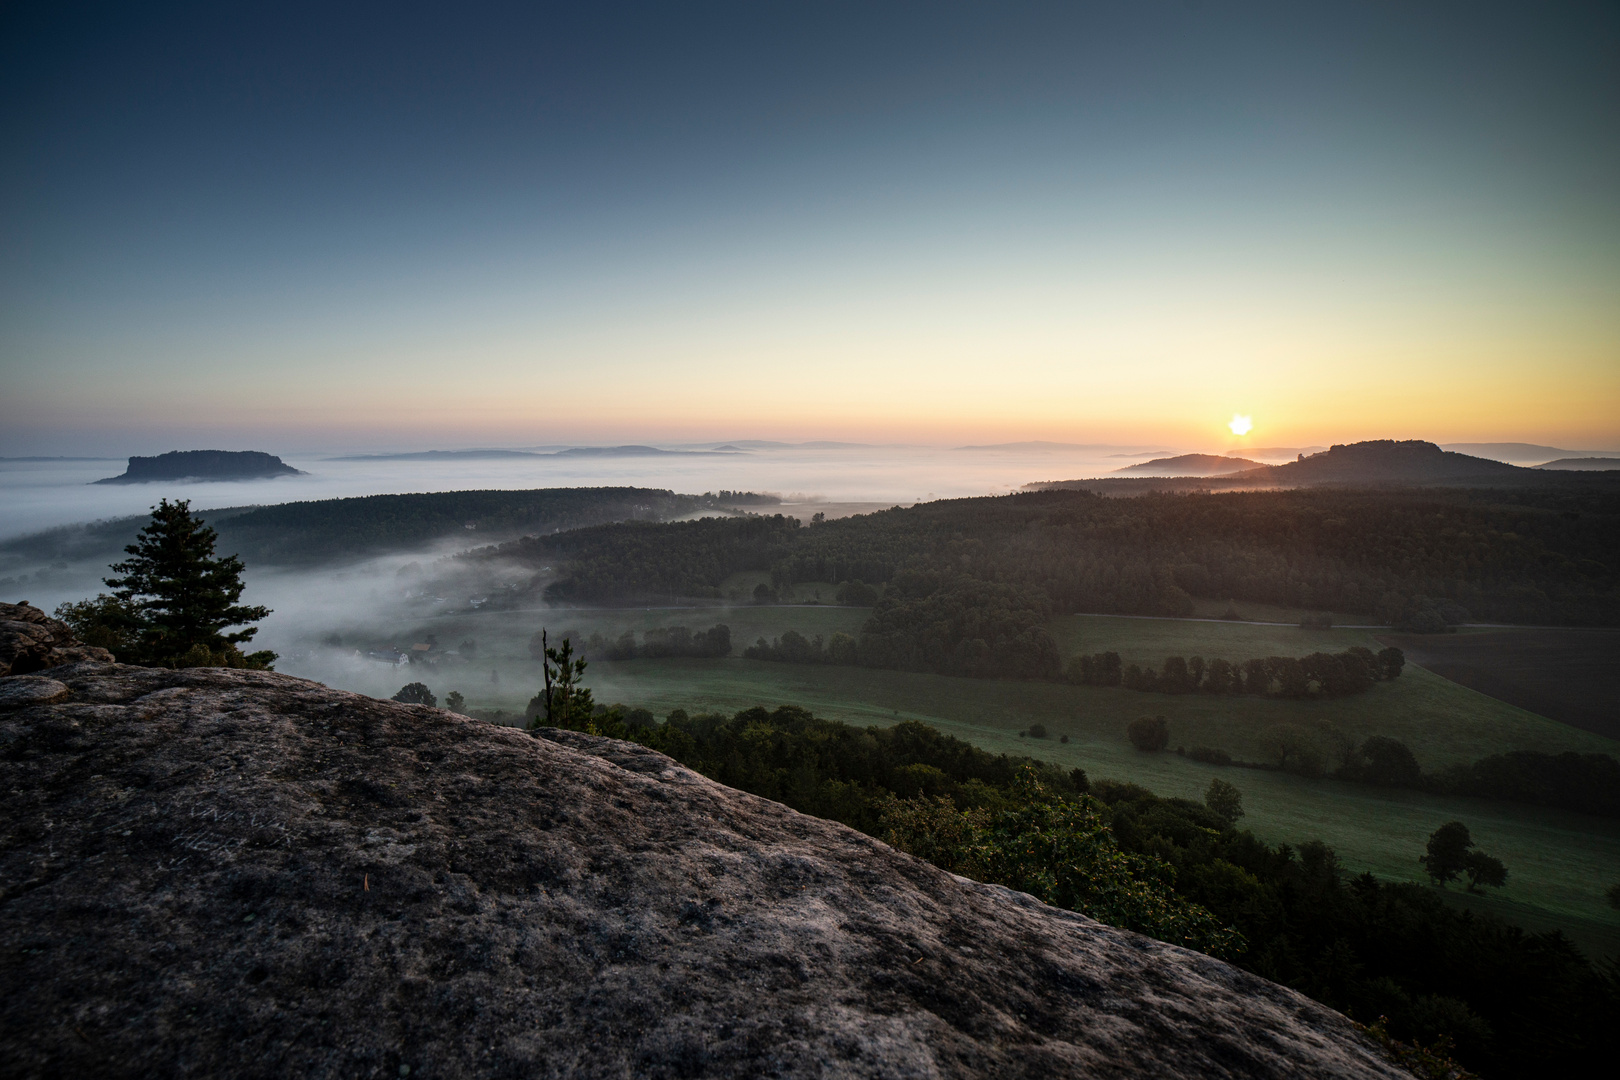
(1209, 755)
(1224, 799)
(1151, 733)
(416, 694)
(1037, 731)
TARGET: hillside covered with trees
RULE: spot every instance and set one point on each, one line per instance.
(1414, 558)
(1506, 1002)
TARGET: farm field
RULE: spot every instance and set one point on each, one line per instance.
(1568, 675)
(1558, 862)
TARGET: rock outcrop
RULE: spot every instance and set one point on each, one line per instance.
(203, 465)
(227, 873)
(30, 640)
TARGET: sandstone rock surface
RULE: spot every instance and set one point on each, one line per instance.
(229, 873)
(30, 640)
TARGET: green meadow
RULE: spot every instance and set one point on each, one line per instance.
(1559, 862)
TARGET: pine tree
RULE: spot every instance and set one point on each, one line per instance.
(564, 702)
(183, 598)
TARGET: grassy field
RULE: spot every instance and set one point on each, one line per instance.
(1559, 863)
(1568, 675)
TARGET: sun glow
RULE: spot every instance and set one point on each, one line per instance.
(1240, 424)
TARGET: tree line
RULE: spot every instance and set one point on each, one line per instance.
(957, 626)
(1588, 783)
(655, 643)
(1507, 1002)
(1317, 675)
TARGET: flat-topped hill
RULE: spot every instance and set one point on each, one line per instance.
(203, 465)
(1386, 461)
(225, 873)
(1190, 465)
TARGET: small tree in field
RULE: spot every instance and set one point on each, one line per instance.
(1224, 799)
(564, 702)
(1447, 852)
(1482, 869)
(180, 599)
(1151, 733)
(454, 701)
(1449, 857)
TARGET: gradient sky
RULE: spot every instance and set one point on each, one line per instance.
(401, 225)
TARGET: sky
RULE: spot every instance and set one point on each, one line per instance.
(294, 227)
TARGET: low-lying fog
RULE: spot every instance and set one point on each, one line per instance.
(42, 494)
(329, 622)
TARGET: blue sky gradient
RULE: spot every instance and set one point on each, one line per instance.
(421, 225)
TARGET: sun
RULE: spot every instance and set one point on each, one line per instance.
(1240, 424)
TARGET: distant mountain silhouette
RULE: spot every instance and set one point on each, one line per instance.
(1190, 465)
(1383, 461)
(203, 465)
(1515, 453)
(1582, 464)
(625, 451)
(442, 455)
(1274, 452)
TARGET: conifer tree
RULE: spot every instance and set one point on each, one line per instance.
(183, 598)
(564, 702)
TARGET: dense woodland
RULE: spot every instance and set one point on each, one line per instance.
(1511, 1003)
(306, 532)
(1419, 559)
(336, 530)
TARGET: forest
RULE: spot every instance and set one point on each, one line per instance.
(337, 530)
(308, 532)
(1502, 1001)
(1417, 559)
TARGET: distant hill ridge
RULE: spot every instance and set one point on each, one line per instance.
(1376, 462)
(1191, 465)
(203, 465)
(1582, 464)
(1385, 461)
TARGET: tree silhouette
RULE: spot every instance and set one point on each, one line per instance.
(1449, 857)
(1224, 799)
(416, 694)
(182, 598)
(1150, 733)
(564, 702)
(1482, 869)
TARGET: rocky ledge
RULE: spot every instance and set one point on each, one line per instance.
(229, 873)
(30, 640)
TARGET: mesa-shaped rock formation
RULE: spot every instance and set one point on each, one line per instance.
(228, 873)
(203, 465)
